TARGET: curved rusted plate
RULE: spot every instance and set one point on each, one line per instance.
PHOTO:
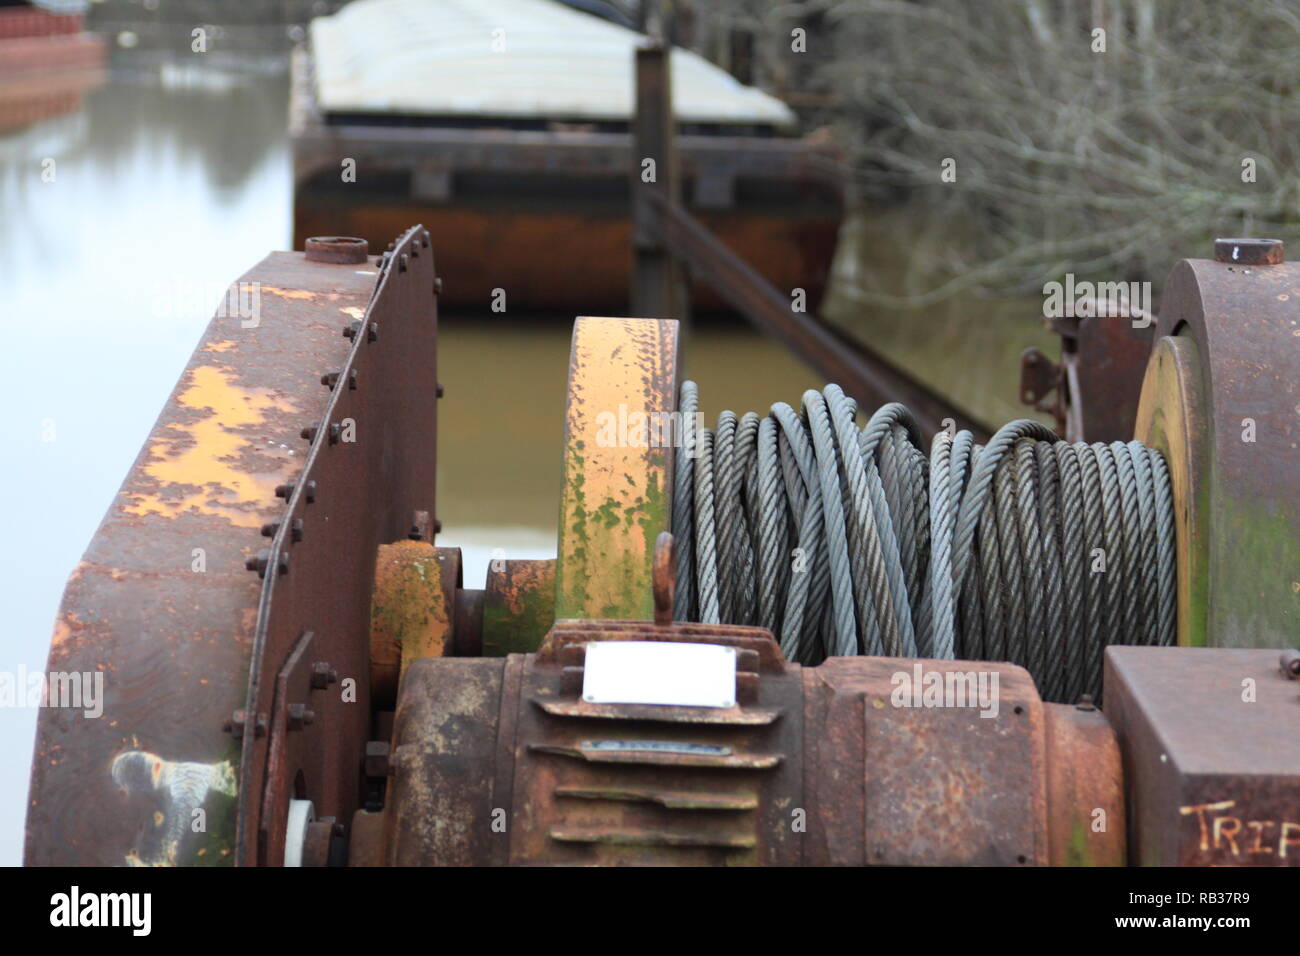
(371, 468)
(618, 460)
(1245, 321)
(1085, 788)
(1171, 418)
(162, 605)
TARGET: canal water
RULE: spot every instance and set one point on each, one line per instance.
(122, 221)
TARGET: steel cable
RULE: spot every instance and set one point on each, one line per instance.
(844, 540)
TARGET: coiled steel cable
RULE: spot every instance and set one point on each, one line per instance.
(847, 541)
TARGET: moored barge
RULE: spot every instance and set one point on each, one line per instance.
(503, 125)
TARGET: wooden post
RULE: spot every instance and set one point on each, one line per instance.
(658, 289)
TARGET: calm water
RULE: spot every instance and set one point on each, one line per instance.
(183, 185)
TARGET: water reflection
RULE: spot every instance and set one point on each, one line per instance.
(155, 188)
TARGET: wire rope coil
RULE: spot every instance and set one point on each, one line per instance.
(844, 540)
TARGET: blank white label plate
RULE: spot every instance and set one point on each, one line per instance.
(659, 672)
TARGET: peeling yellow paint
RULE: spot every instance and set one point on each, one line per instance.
(289, 293)
(199, 453)
(61, 632)
(354, 312)
(613, 491)
(223, 346)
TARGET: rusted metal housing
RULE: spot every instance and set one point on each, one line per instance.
(517, 608)
(1219, 400)
(502, 762)
(1209, 382)
(413, 611)
(1092, 393)
(357, 491)
(229, 691)
(1211, 755)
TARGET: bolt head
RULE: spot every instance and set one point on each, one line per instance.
(377, 762)
(1290, 663)
(299, 716)
(1249, 252)
(322, 675)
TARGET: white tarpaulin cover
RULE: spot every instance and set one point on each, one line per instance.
(507, 58)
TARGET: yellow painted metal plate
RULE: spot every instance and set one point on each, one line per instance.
(1170, 419)
(617, 466)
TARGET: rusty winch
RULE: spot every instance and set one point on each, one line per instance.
(788, 640)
